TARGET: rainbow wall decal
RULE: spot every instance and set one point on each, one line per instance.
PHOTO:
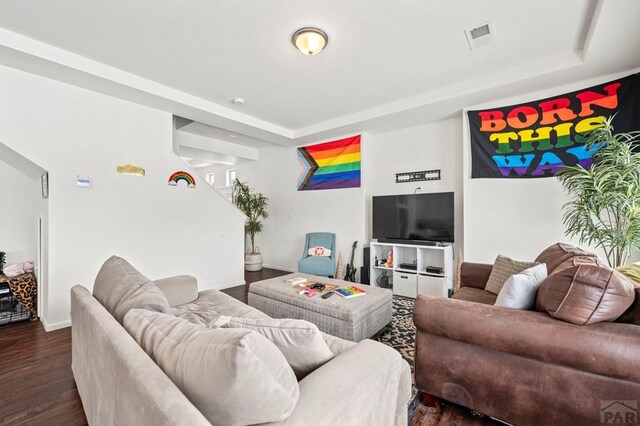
(181, 175)
(330, 165)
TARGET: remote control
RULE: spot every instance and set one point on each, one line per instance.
(327, 295)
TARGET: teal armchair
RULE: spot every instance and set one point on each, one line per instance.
(319, 265)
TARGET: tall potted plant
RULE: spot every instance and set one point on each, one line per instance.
(604, 209)
(254, 206)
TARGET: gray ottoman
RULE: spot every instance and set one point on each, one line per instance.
(353, 319)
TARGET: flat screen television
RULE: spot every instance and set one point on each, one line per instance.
(415, 217)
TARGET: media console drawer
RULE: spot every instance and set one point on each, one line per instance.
(405, 284)
(434, 286)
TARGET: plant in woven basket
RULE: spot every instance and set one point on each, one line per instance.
(604, 209)
(254, 206)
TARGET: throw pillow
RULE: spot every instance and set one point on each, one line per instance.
(119, 287)
(319, 251)
(558, 253)
(586, 294)
(631, 271)
(232, 376)
(519, 292)
(503, 268)
(299, 341)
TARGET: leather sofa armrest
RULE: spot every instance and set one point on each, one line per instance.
(358, 386)
(605, 348)
(474, 274)
(179, 290)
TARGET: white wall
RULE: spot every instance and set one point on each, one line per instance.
(19, 214)
(515, 217)
(293, 213)
(431, 146)
(347, 212)
(162, 230)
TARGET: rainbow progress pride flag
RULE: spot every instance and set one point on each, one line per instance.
(330, 165)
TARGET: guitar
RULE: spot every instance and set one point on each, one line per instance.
(350, 275)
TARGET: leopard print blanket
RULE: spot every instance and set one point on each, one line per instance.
(25, 289)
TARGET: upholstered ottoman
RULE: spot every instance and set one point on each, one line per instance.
(352, 319)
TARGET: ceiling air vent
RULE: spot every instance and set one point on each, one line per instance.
(481, 35)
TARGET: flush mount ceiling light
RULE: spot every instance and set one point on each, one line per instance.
(309, 40)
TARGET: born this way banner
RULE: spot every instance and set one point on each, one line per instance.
(330, 165)
(540, 138)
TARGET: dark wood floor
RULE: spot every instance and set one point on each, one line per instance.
(35, 376)
(38, 386)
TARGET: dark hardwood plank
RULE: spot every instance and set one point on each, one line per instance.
(240, 292)
(35, 372)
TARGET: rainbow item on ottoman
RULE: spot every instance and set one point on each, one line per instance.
(349, 292)
(330, 165)
(352, 319)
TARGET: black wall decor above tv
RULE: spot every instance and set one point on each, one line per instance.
(414, 217)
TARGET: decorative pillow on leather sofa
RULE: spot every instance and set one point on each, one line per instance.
(299, 341)
(503, 268)
(119, 287)
(585, 294)
(233, 376)
(574, 260)
(559, 253)
(519, 292)
(631, 271)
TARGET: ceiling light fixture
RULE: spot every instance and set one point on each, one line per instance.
(238, 101)
(310, 40)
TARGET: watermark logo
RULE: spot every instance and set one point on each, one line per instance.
(619, 412)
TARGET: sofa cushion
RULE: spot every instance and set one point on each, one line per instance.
(503, 268)
(520, 290)
(233, 376)
(299, 341)
(585, 294)
(210, 304)
(179, 290)
(472, 294)
(558, 253)
(119, 287)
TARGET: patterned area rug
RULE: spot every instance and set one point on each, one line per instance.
(401, 337)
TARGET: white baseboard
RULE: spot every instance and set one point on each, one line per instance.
(282, 268)
(54, 326)
(231, 285)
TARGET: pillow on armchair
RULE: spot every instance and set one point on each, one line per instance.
(319, 251)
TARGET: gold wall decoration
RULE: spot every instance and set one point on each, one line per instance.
(130, 169)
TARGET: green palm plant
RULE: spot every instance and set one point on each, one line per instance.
(254, 206)
(605, 198)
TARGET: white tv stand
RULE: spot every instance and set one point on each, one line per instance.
(411, 282)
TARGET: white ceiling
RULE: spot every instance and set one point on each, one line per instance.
(388, 62)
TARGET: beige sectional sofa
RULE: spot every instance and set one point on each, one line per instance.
(119, 383)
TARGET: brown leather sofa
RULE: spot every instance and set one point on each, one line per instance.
(525, 367)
